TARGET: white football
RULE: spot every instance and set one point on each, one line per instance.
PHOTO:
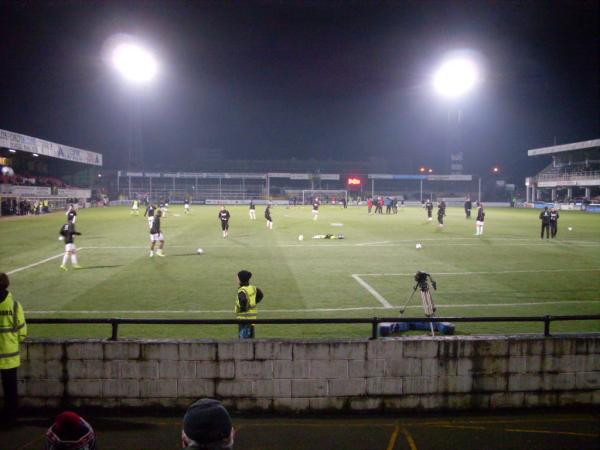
(301, 237)
(418, 246)
(570, 228)
(200, 251)
(8, 171)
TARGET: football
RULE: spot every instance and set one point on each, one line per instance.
(199, 251)
(301, 237)
(570, 228)
(7, 171)
(418, 246)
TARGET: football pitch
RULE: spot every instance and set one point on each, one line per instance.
(507, 271)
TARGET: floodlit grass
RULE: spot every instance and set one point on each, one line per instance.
(508, 271)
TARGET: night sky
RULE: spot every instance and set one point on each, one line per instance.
(328, 80)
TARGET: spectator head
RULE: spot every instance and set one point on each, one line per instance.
(70, 432)
(207, 425)
(244, 277)
(4, 282)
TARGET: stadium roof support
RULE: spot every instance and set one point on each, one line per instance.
(564, 148)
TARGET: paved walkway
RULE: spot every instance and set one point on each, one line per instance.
(530, 430)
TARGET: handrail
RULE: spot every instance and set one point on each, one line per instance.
(373, 321)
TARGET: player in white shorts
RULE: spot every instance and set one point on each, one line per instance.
(315, 210)
(186, 205)
(156, 236)
(480, 220)
(135, 207)
(67, 232)
(252, 210)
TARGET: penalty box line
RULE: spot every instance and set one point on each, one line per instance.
(387, 305)
(380, 298)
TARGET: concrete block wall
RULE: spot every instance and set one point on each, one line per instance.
(426, 373)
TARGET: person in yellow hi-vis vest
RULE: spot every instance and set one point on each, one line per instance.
(248, 297)
(13, 331)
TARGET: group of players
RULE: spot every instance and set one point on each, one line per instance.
(441, 213)
(549, 218)
(154, 215)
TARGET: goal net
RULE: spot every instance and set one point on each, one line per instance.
(332, 196)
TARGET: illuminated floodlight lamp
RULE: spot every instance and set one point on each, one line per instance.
(456, 77)
(422, 169)
(430, 171)
(135, 63)
(495, 169)
(12, 151)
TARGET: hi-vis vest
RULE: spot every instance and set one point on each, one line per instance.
(250, 292)
(13, 330)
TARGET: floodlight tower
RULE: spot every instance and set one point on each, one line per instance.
(138, 67)
(457, 76)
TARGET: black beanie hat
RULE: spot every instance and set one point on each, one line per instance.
(207, 421)
(244, 276)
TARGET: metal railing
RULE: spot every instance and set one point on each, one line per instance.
(373, 321)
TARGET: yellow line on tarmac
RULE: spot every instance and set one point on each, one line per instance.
(393, 438)
(409, 439)
(568, 433)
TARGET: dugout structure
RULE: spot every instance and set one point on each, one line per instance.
(572, 176)
(45, 171)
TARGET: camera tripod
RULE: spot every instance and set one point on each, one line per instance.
(428, 305)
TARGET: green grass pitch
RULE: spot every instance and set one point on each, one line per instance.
(507, 271)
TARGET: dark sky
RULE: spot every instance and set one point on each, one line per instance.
(332, 80)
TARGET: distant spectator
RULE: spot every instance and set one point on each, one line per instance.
(70, 432)
(207, 425)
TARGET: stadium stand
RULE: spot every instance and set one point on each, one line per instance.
(573, 176)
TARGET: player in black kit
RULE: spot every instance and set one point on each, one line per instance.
(149, 213)
(252, 210)
(545, 218)
(224, 217)
(480, 220)
(553, 222)
(156, 235)
(429, 208)
(468, 207)
(71, 214)
(268, 217)
(67, 232)
(441, 213)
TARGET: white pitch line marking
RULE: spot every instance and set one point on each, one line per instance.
(19, 269)
(367, 244)
(478, 273)
(359, 308)
(372, 291)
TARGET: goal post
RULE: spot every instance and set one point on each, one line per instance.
(325, 194)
